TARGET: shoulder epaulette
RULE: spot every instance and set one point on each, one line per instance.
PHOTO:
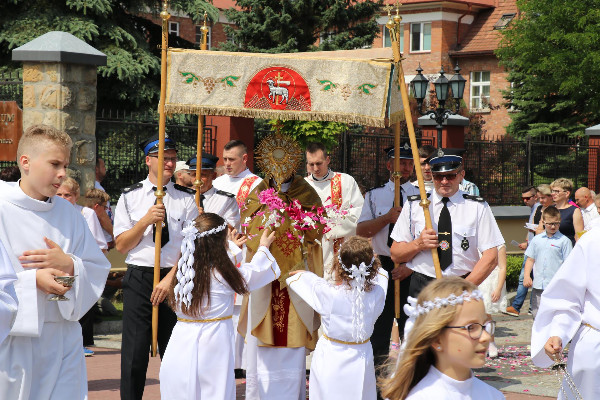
(184, 189)
(474, 198)
(415, 197)
(132, 187)
(224, 193)
(376, 187)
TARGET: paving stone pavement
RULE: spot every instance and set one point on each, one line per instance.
(512, 372)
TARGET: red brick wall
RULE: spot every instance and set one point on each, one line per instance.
(496, 120)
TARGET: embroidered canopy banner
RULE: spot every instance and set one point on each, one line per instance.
(352, 86)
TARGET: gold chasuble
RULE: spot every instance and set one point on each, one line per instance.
(280, 318)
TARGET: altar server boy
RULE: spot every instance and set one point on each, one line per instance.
(42, 358)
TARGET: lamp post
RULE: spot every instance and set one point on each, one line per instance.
(420, 86)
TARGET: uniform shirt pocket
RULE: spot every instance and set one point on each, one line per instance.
(462, 232)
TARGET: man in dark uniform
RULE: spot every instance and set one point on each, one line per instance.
(135, 216)
(212, 199)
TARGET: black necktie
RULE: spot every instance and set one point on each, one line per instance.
(164, 238)
(390, 241)
(445, 236)
(202, 200)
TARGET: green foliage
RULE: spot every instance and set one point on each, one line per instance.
(131, 78)
(513, 270)
(552, 52)
(313, 131)
(285, 26)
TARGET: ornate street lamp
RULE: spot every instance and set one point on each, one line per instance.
(456, 84)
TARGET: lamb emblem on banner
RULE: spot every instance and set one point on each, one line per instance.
(278, 88)
(278, 91)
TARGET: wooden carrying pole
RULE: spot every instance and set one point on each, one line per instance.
(394, 25)
(161, 162)
(199, 145)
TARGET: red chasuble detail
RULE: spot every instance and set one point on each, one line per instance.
(245, 190)
(336, 198)
(336, 190)
(280, 306)
(278, 88)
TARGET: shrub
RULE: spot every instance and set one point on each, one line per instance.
(513, 270)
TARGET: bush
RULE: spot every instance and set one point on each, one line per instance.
(513, 270)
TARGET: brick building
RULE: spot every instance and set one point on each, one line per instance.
(436, 33)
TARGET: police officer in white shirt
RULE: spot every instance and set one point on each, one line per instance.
(463, 227)
(135, 216)
(212, 199)
(377, 217)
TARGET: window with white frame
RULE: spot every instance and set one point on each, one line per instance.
(199, 36)
(420, 36)
(480, 90)
(387, 39)
(173, 28)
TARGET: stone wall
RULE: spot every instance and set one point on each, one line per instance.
(64, 96)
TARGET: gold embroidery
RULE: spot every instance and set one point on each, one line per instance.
(278, 305)
(287, 245)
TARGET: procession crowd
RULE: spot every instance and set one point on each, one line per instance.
(255, 274)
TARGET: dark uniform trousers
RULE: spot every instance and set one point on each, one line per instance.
(137, 329)
(382, 331)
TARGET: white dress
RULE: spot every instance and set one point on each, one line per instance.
(488, 286)
(42, 358)
(572, 299)
(338, 370)
(199, 362)
(436, 385)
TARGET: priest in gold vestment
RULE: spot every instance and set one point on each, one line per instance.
(280, 327)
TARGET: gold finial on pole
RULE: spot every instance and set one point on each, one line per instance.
(204, 29)
(397, 17)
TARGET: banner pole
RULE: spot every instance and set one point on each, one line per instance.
(164, 15)
(199, 144)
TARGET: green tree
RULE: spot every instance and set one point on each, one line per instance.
(131, 78)
(283, 26)
(552, 53)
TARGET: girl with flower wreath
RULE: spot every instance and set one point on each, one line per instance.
(447, 334)
(199, 360)
(342, 365)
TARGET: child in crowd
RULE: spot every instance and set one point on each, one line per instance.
(545, 254)
(45, 237)
(449, 333)
(69, 190)
(342, 365)
(198, 362)
(493, 289)
(98, 200)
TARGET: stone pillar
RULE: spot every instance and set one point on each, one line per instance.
(593, 157)
(230, 128)
(453, 130)
(59, 89)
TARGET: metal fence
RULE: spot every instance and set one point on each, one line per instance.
(501, 168)
(118, 135)
(11, 87)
